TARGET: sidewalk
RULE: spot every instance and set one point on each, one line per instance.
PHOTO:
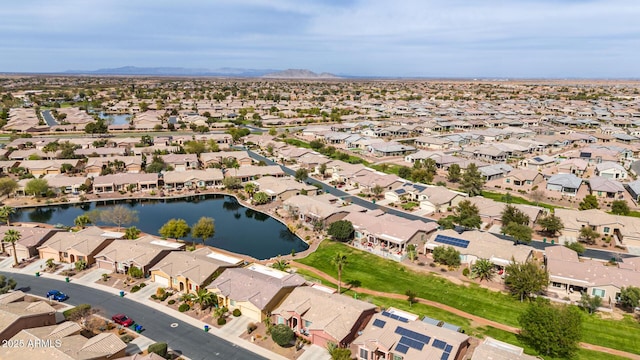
(238, 326)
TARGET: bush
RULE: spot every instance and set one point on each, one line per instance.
(222, 321)
(165, 296)
(142, 285)
(126, 338)
(154, 297)
(77, 312)
(184, 307)
(171, 302)
(251, 327)
(159, 348)
(236, 312)
(465, 272)
(160, 292)
(136, 288)
(135, 272)
(282, 335)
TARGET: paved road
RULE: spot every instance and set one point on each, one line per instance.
(589, 253)
(186, 339)
(48, 118)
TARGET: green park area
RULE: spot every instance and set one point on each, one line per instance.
(375, 273)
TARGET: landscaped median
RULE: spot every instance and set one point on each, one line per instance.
(375, 273)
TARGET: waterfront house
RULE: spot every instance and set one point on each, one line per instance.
(189, 272)
(181, 162)
(143, 253)
(283, 188)
(124, 182)
(312, 211)
(70, 247)
(192, 179)
(254, 290)
(30, 239)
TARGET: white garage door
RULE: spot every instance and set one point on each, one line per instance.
(162, 281)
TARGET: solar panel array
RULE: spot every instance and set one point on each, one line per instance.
(448, 348)
(538, 159)
(413, 335)
(445, 356)
(452, 241)
(394, 316)
(402, 348)
(379, 323)
(439, 344)
(411, 343)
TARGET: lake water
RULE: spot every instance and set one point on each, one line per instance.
(118, 119)
(238, 229)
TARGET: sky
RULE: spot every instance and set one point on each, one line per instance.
(388, 38)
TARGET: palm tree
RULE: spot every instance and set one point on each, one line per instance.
(340, 261)
(5, 214)
(12, 236)
(483, 269)
(82, 220)
(280, 264)
(205, 298)
(250, 188)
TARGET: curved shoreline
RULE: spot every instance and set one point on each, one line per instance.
(144, 197)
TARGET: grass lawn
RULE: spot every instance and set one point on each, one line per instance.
(515, 200)
(437, 313)
(379, 274)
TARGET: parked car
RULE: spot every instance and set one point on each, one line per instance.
(57, 295)
(122, 319)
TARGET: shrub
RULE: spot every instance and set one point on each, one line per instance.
(171, 302)
(159, 348)
(160, 292)
(236, 312)
(465, 272)
(165, 296)
(77, 312)
(136, 288)
(282, 335)
(154, 297)
(126, 338)
(135, 272)
(142, 285)
(251, 327)
(184, 307)
(222, 321)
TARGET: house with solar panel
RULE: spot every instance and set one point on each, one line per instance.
(392, 336)
(474, 245)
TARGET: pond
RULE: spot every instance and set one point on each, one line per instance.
(238, 229)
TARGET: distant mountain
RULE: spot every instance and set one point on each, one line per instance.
(299, 74)
(174, 71)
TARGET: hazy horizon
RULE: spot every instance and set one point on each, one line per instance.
(456, 39)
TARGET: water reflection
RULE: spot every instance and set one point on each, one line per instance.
(42, 215)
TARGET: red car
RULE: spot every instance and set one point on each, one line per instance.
(122, 319)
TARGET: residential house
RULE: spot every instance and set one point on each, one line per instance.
(181, 162)
(568, 274)
(255, 290)
(390, 148)
(189, 272)
(124, 182)
(491, 210)
(70, 247)
(522, 179)
(192, 179)
(216, 159)
(17, 314)
(367, 179)
(611, 170)
(312, 211)
(495, 171)
(388, 235)
(102, 152)
(566, 184)
(633, 188)
(30, 239)
(624, 230)
(284, 188)
(143, 253)
(253, 172)
(475, 244)
(323, 316)
(63, 184)
(391, 336)
(66, 342)
(576, 167)
(130, 164)
(44, 167)
(606, 188)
